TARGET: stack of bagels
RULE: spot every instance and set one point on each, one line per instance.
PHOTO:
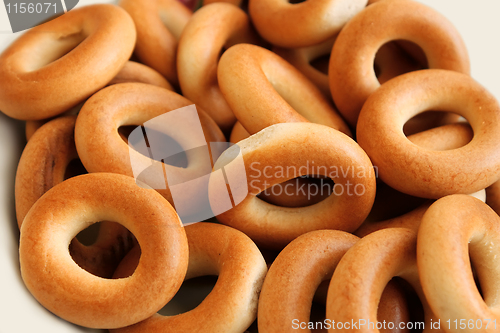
(363, 171)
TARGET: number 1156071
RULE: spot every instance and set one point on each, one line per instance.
(22, 8)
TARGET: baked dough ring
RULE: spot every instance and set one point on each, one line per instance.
(210, 30)
(277, 20)
(294, 148)
(131, 72)
(101, 149)
(456, 230)
(61, 286)
(293, 278)
(262, 89)
(352, 77)
(441, 138)
(421, 172)
(43, 164)
(363, 273)
(159, 25)
(231, 306)
(77, 54)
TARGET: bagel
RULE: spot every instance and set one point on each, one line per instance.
(101, 148)
(44, 164)
(421, 172)
(276, 20)
(211, 29)
(287, 293)
(291, 150)
(363, 273)
(351, 72)
(159, 25)
(61, 286)
(263, 89)
(232, 304)
(458, 232)
(78, 53)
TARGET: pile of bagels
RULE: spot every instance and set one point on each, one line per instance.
(369, 101)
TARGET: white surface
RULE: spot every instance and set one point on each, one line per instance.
(19, 312)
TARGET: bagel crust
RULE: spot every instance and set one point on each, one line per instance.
(70, 292)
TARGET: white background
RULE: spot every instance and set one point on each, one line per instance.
(477, 21)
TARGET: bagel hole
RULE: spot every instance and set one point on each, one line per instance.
(398, 57)
(321, 63)
(293, 2)
(298, 192)
(113, 242)
(412, 303)
(74, 168)
(88, 236)
(53, 49)
(318, 308)
(162, 144)
(443, 130)
(192, 292)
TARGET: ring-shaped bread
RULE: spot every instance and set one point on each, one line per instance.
(159, 25)
(418, 171)
(211, 29)
(282, 152)
(459, 232)
(102, 149)
(351, 73)
(363, 273)
(295, 275)
(77, 54)
(278, 20)
(263, 89)
(231, 306)
(43, 165)
(70, 292)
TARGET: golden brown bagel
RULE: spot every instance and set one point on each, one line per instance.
(101, 148)
(421, 172)
(284, 151)
(352, 77)
(211, 29)
(44, 164)
(363, 273)
(456, 232)
(159, 25)
(288, 290)
(60, 285)
(303, 24)
(77, 54)
(231, 306)
(263, 89)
